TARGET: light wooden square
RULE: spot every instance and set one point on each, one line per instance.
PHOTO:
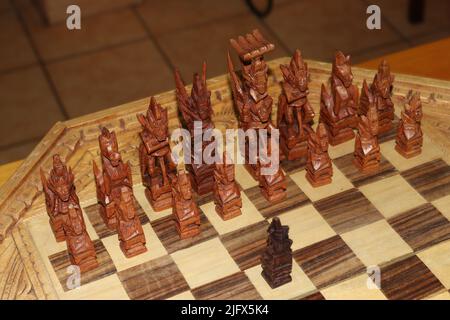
(204, 263)
(443, 205)
(358, 288)
(306, 226)
(338, 184)
(429, 152)
(341, 149)
(249, 216)
(437, 259)
(139, 194)
(186, 295)
(42, 235)
(109, 288)
(244, 178)
(392, 195)
(376, 243)
(440, 296)
(155, 249)
(300, 285)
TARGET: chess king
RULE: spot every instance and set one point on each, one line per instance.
(66, 217)
(196, 108)
(156, 164)
(295, 114)
(409, 133)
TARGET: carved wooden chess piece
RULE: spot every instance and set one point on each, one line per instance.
(367, 150)
(156, 164)
(63, 204)
(294, 110)
(318, 167)
(379, 94)
(196, 108)
(276, 260)
(338, 111)
(409, 133)
(227, 196)
(273, 185)
(253, 103)
(185, 211)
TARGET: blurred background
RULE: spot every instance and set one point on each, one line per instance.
(127, 49)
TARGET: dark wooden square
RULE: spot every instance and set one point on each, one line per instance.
(60, 262)
(156, 279)
(247, 244)
(295, 198)
(408, 279)
(167, 233)
(328, 262)
(421, 227)
(314, 296)
(358, 178)
(347, 211)
(236, 287)
(431, 179)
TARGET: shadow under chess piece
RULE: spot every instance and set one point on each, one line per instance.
(409, 138)
(367, 150)
(318, 166)
(184, 209)
(276, 261)
(227, 196)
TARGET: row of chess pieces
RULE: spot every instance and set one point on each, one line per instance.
(341, 111)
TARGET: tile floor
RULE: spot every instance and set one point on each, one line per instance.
(48, 73)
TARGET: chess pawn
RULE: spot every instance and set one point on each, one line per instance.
(227, 196)
(276, 261)
(273, 186)
(409, 138)
(185, 211)
(131, 235)
(318, 167)
(367, 150)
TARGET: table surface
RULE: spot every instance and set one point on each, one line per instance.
(429, 60)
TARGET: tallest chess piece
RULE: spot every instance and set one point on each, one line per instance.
(409, 133)
(196, 108)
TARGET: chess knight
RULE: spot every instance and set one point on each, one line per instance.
(295, 114)
(115, 193)
(155, 158)
(318, 167)
(184, 209)
(367, 150)
(227, 196)
(379, 94)
(197, 107)
(66, 217)
(409, 133)
(276, 260)
(338, 112)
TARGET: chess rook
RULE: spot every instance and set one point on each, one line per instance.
(318, 166)
(409, 138)
(367, 150)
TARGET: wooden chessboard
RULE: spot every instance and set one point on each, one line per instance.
(396, 218)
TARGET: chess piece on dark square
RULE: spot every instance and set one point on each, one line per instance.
(409, 138)
(155, 158)
(319, 169)
(367, 155)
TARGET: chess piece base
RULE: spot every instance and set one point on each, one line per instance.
(86, 264)
(274, 198)
(298, 151)
(135, 249)
(408, 154)
(374, 167)
(319, 182)
(188, 232)
(277, 282)
(228, 214)
(163, 202)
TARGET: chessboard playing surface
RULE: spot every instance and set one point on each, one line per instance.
(396, 219)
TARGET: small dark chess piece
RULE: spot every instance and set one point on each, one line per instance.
(409, 139)
(276, 260)
(227, 196)
(156, 164)
(379, 94)
(339, 111)
(318, 167)
(273, 186)
(294, 110)
(63, 204)
(185, 211)
(367, 150)
(197, 107)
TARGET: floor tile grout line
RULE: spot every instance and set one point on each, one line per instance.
(41, 62)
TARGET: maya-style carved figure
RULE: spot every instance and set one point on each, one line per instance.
(318, 167)
(115, 194)
(276, 260)
(273, 186)
(379, 93)
(155, 157)
(294, 110)
(339, 111)
(227, 196)
(367, 150)
(409, 133)
(184, 209)
(66, 217)
(252, 101)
